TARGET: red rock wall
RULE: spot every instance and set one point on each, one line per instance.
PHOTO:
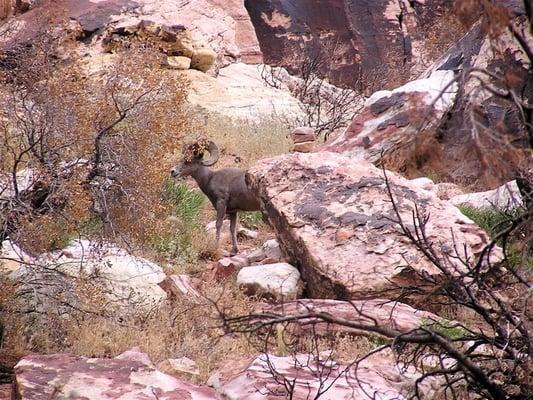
(373, 40)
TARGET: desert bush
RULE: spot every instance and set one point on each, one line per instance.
(324, 107)
(97, 147)
(185, 239)
(187, 202)
(492, 221)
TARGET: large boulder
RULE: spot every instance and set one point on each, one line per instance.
(334, 219)
(87, 276)
(505, 197)
(267, 377)
(377, 312)
(392, 121)
(131, 375)
(280, 280)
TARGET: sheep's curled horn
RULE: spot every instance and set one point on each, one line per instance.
(198, 148)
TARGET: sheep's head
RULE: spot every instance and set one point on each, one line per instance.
(193, 157)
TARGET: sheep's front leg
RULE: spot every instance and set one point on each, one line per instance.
(221, 212)
(233, 230)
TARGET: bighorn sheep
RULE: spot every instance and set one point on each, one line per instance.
(226, 188)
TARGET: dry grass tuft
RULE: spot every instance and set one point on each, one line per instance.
(242, 142)
(177, 329)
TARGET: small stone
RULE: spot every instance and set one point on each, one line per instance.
(247, 233)
(180, 286)
(268, 253)
(178, 62)
(203, 59)
(280, 280)
(223, 269)
(178, 367)
(424, 183)
(303, 134)
(233, 262)
(305, 147)
(211, 229)
(182, 46)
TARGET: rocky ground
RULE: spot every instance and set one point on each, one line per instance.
(363, 235)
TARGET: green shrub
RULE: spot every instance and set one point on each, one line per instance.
(187, 203)
(496, 221)
(183, 244)
(491, 220)
(446, 328)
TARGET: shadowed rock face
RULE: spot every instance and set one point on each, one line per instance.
(435, 125)
(370, 36)
(393, 120)
(498, 121)
(334, 220)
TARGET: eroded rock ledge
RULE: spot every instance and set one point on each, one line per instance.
(334, 219)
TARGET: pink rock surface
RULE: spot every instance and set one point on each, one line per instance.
(391, 120)
(377, 312)
(129, 376)
(333, 218)
(5, 392)
(223, 24)
(378, 377)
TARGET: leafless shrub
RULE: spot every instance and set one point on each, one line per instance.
(326, 108)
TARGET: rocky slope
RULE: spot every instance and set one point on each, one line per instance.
(456, 120)
(224, 25)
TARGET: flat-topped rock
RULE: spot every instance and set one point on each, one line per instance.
(261, 378)
(334, 219)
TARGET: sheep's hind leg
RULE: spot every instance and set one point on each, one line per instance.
(233, 230)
